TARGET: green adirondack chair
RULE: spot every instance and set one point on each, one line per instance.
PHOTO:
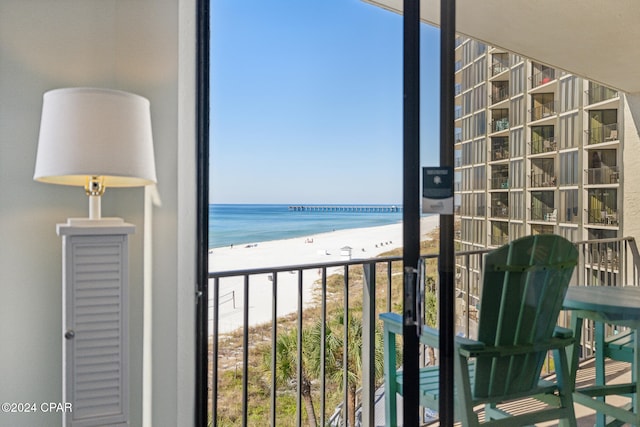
(523, 287)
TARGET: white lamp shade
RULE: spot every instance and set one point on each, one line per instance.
(88, 132)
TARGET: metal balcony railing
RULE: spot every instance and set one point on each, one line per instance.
(604, 133)
(500, 152)
(498, 67)
(499, 182)
(543, 180)
(543, 145)
(500, 125)
(603, 175)
(499, 94)
(603, 216)
(499, 239)
(544, 213)
(246, 363)
(599, 93)
(501, 211)
(543, 111)
(542, 77)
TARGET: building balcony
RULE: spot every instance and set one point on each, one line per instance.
(499, 92)
(544, 111)
(500, 211)
(500, 153)
(542, 77)
(543, 145)
(500, 125)
(603, 175)
(500, 65)
(603, 217)
(499, 182)
(543, 180)
(249, 376)
(598, 93)
(544, 213)
(602, 133)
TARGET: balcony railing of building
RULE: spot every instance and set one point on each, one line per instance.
(500, 152)
(499, 93)
(604, 133)
(603, 175)
(598, 93)
(499, 239)
(542, 77)
(501, 211)
(603, 216)
(543, 180)
(498, 67)
(543, 111)
(246, 364)
(499, 182)
(544, 213)
(543, 145)
(500, 125)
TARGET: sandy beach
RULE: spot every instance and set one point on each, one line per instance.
(325, 247)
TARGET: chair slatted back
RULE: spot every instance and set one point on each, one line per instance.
(524, 285)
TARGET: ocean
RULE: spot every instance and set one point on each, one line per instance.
(235, 224)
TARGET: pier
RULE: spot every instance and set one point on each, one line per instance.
(346, 208)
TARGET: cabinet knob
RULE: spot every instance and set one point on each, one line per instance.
(69, 334)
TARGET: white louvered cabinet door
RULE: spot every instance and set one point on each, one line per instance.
(95, 325)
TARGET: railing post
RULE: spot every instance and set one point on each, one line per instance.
(368, 344)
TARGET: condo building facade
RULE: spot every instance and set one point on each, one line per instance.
(537, 150)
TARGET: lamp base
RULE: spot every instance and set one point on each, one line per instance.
(91, 222)
(89, 226)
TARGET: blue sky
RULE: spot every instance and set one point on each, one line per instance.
(306, 102)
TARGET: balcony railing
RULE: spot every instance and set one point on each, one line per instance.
(543, 180)
(599, 93)
(499, 182)
(543, 145)
(544, 213)
(603, 216)
(603, 175)
(500, 211)
(246, 363)
(542, 77)
(499, 94)
(500, 125)
(498, 67)
(500, 152)
(543, 111)
(499, 239)
(604, 133)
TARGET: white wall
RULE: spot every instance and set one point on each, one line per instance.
(631, 158)
(142, 46)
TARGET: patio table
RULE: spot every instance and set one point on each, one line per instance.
(605, 305)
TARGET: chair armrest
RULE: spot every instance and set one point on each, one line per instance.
(393, 324)
(468, 347)
(430, 337)
(560, 332)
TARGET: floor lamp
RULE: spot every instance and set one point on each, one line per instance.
(95, 138)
